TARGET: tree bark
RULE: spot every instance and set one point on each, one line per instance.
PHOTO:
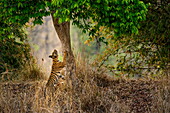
(63, 31)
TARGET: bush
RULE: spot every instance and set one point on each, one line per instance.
(16, 60)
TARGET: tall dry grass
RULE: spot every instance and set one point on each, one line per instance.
(93, 92)
(162, 97)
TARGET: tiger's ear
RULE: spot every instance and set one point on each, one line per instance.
(50, 56)
(55, 51)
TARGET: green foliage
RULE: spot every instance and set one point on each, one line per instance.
(16, 61)
(155, 32)
(14, 53)
(15, 13)
(122, 16)
(13, 56)
(145, 53)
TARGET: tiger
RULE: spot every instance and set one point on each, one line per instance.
(57, 76)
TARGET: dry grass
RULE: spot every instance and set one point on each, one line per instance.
(162, 98)
(32, 72)
(93, 92)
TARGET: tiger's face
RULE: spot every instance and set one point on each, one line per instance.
(54, 55)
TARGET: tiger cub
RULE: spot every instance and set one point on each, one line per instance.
(57, 76)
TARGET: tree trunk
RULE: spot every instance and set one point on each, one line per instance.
(63, 31)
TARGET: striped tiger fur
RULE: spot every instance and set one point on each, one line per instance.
(57, 76)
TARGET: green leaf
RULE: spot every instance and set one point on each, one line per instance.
(60, 21)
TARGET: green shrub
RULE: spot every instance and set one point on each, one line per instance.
(16, 60)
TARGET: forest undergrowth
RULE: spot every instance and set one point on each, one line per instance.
(93, 92)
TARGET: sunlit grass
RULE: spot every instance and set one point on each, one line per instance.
(93, 91)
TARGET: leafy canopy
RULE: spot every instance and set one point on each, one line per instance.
(122, 16)
(15, 13)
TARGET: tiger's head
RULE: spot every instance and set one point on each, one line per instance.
(54, 54)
